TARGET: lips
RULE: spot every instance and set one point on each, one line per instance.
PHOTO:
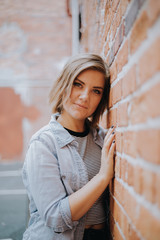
(81, 106)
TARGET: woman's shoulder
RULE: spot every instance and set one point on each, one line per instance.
(43, 135)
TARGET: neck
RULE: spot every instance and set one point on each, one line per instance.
(72, 124)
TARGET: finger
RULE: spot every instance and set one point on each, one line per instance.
(109, 134)
(111, 155)
(112, 149)
(111, 129)
(109, 141)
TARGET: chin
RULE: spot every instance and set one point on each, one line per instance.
(79, 116)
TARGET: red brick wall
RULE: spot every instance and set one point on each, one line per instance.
(127, 34)
(35, 41)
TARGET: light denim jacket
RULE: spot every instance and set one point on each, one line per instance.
(52, 171)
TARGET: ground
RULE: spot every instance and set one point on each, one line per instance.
(13, 202)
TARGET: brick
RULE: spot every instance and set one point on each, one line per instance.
(118, 39)
(147, 145)
(119, 141)
(116, 92)
(45, 8)
(114, 27)
(118, 192)
(13, 40)
(138, 179)
(153, 10)
(111, 204)
(116, 212)
(129, 143)
(102, 40)
(124, 170)
(157, 192)
(108, 17)
(119, 17)
(111, 55)
(116, 233)
(33, 25)
(124, 224)
(122, 57)
(113, 70)
(144, 106)
(132, 234)
(129, 82)
(139, 32)
(120, 218)
(149, 63)
(123, 6)
(148, 183)
(117, 167)
(32, 113)
(11, 141)
(107, 48)
(132, 14)
(115, 5)
(106, 13)
(150, 226)
(122, 114)
(131, 170)
(127, 201)
(112, 223)
(112, 118)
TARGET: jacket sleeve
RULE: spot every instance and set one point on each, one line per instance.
(46, 187)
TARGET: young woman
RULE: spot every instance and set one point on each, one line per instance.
(69, 163)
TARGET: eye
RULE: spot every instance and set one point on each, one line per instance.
(77, 84)
(96, 91)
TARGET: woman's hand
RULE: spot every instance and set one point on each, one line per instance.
(106, 169)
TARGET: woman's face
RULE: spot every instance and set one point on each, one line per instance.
(86, 94)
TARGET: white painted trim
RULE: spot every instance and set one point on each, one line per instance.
(15, 173)
(75, 27)
(6, 239)
(13, 192)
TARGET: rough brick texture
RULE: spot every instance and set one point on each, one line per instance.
(126, 33)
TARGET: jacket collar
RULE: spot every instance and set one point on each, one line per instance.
(63, 137)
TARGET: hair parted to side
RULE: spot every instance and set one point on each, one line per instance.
(61, 89)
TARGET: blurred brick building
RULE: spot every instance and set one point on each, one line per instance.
(35, 42)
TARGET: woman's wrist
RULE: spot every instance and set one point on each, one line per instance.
(104, 180)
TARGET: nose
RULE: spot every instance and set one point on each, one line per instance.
(84, 95)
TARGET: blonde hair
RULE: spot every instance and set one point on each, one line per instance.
(62, 87)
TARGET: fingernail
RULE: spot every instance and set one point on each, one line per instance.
(112, 126)
(113, 132)
(113, 141)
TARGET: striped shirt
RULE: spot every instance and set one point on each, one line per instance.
(90, 152)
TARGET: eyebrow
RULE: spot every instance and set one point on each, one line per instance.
(93, 87)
